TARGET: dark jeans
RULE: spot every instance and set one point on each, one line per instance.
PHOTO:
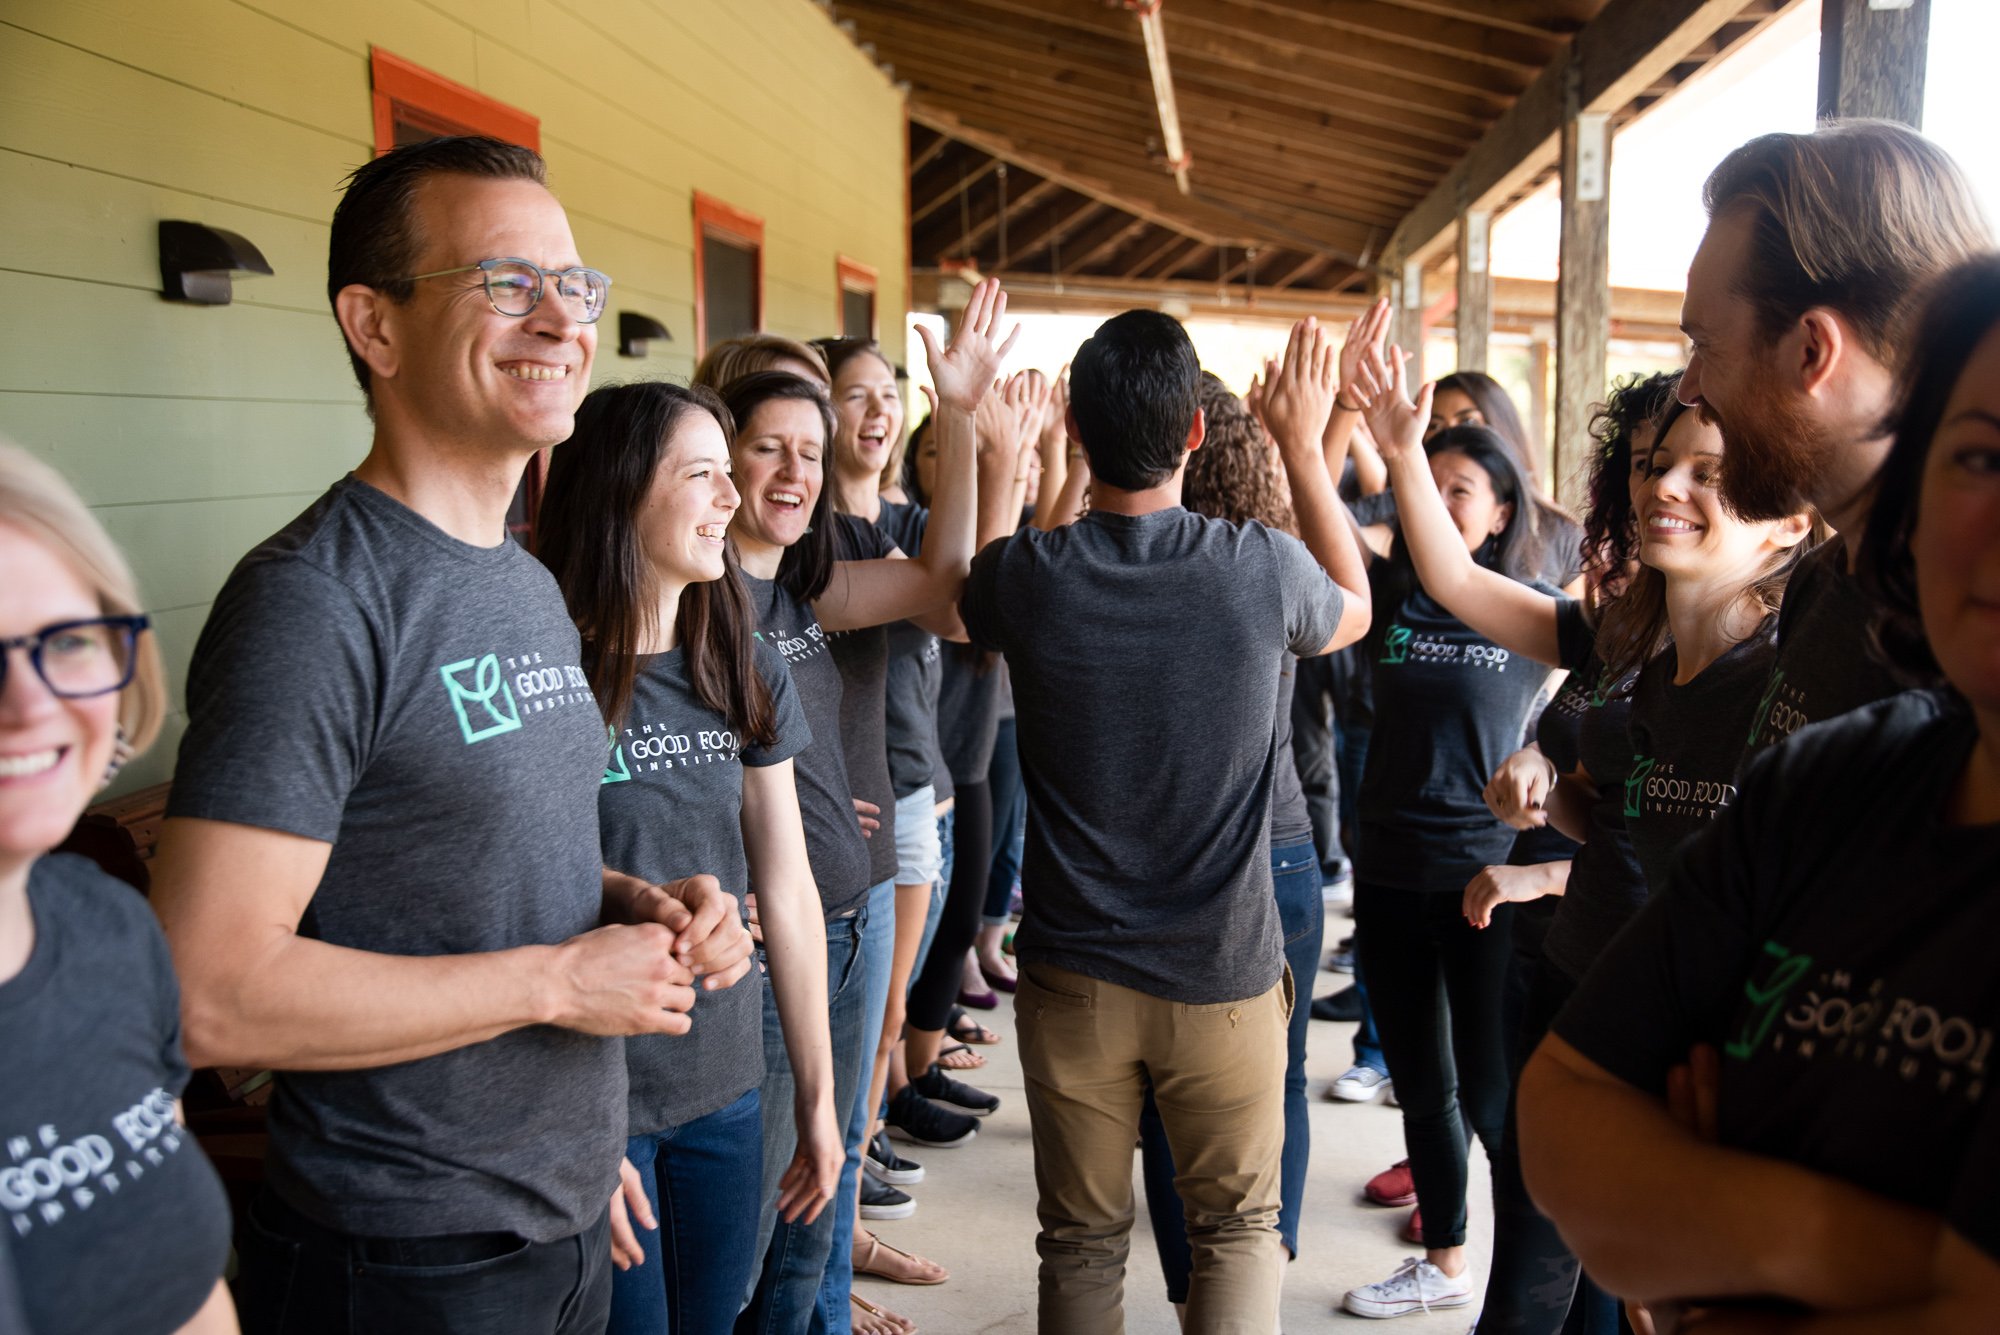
(1367, 1042)
(936, 988)
(1435, 983)
(1302, 918)
(702, 1180)
(795, 1255)
(1010, 821)
(296, 1277)
(1535, 1285)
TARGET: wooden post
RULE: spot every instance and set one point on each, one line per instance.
(1538, 388)
(1406, 318)
(1871, 59)
(1583, 287)
(1474, 320)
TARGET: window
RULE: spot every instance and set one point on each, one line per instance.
(412, 105)
(728, 272)
(857, 297)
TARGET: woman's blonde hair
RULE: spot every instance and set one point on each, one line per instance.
(35, 499)
(733, 358)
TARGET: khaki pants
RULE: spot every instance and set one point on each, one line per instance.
(1088, 1049)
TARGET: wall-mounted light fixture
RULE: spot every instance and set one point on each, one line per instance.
(196, 261)
(635, 331)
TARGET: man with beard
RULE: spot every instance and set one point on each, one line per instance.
(1818, 253)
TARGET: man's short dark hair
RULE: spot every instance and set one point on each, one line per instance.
(375, 241)
(1134, 387)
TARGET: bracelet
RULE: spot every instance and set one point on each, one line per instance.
(1345, 407)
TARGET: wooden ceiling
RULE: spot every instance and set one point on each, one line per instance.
(1314, 126)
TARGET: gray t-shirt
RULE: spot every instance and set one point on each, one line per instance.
(369, 681)
(969, 692)
(862, 655)
(671, 805)
(834, 843)
(1146, 653)
(115, 1222)
(915, 668)
(1289, 822)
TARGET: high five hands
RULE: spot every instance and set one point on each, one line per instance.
(963, 373)
(1297, 392)
(1395, 420)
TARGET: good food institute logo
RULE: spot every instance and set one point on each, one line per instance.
(488, 705)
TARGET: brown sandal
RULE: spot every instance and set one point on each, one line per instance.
(868, 1264)
(895, 1320)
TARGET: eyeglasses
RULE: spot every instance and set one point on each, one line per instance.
(515, 287)
(79, 659)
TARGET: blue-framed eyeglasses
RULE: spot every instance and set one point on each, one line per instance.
(515, 287)
(79, 659)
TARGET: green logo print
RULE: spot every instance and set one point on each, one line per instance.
(1635, 784)
(1767, 999)
(615, 769)
(1396, 645)
(496, 714)
(1764, 704)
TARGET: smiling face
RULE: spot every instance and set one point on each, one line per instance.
(780, 468)
(1956, 544)
(1641, 475)
(685, 516)
(53, 752)
(869, 414)
(1453, 407)
(461, 370)
(1468, 493)
(1686, 530)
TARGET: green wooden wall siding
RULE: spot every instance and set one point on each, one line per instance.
(196, 432)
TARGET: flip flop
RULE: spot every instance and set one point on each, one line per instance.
(968, 1030)
(868, 1265)
(900, 1323)
(950, 1050)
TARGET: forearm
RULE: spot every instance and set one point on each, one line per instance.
(795, 946)
(1655, 1213)
(1336, 444)
(1054, 449)
(1569, 804)
(1067, 507)
(949, 534)
(1322, 519)
(628, 899)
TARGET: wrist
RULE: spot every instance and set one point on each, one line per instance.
(548, 988)
(1341, 404)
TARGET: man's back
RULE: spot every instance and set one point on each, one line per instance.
(1146, 653)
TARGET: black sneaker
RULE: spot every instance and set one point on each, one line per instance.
(879, 1200)
(1342, 1005)
(938, 1087)
(882, 1163)
(915, 1120)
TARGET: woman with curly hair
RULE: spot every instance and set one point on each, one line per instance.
(1236, 475)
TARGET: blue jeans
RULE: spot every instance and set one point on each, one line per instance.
(878, 950)
(1367, 1043)
(1302, 918)
(701, 1179)
(794, 1255)
(1010, 820)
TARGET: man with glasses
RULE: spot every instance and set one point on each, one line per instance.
(380, 874)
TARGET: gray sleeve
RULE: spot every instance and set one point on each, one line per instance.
(978, 605)
(282, 698)
(794, 733)
(1312, 601)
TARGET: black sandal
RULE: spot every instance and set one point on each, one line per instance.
(968, 1030)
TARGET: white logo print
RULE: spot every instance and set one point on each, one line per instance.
(45, 1177)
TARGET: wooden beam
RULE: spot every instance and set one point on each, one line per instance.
(1103, 240)
(1558, 17)
(1288, 44)
(1583, 292)
(1472, 322)
(1326, 74)
(929, 154)
(1021, 203)
(951, 190)
(1538, 389)
(1055, 226)
(1177, 264)
(1620, 53)
(1456, 38)
(1872, 61)
(1306, 268)
(1154, 254)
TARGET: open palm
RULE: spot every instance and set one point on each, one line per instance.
(964, 372)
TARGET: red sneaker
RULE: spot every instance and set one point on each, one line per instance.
(1413, 1229)
(1392, 1186)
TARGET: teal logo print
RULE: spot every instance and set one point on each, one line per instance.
(615, 769)
(484, 704)
(1635, 784)
(1396, 645)
(1767, 998)
(1764, 705)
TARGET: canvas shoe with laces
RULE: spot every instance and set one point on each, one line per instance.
(1417, 1286)
(881, 1162)
(938, 1087)
(879, 1200)
(1360, 1084)
(915, 1120)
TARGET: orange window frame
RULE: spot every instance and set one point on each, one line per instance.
(439, 104)
(854, 276)
(712, 217)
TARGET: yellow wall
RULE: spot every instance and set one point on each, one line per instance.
(196, 431)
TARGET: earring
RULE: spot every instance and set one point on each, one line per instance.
(121, 753)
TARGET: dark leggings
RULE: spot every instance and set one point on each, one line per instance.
(1435, 983)
(936, 989)
(1535, 1285)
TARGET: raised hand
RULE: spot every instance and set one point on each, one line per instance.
(965, 371)
(1298, 398)
(1394, 419)
(1367, 331)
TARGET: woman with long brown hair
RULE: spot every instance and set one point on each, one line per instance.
(704, 724)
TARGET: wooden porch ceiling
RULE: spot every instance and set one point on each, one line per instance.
(1316, 127)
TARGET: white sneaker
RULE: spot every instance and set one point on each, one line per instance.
(1417, 1286)
(1338, 892)
(1361, 1084)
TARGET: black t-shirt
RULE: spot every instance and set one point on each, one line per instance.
(1823, 666)
(671, 805)
(1605, 886)
(1145, 652)
(1555, 734)
(970, 689)
(1833, 938)
(369, 681)
(116, 1223)
(1687, 746)
(915, 669)
(1289, 822)
(1450, 705)
(862, 655)
(835, 846)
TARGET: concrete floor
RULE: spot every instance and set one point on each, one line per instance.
(976, 1211)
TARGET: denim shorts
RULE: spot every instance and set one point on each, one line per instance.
(919, 855)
